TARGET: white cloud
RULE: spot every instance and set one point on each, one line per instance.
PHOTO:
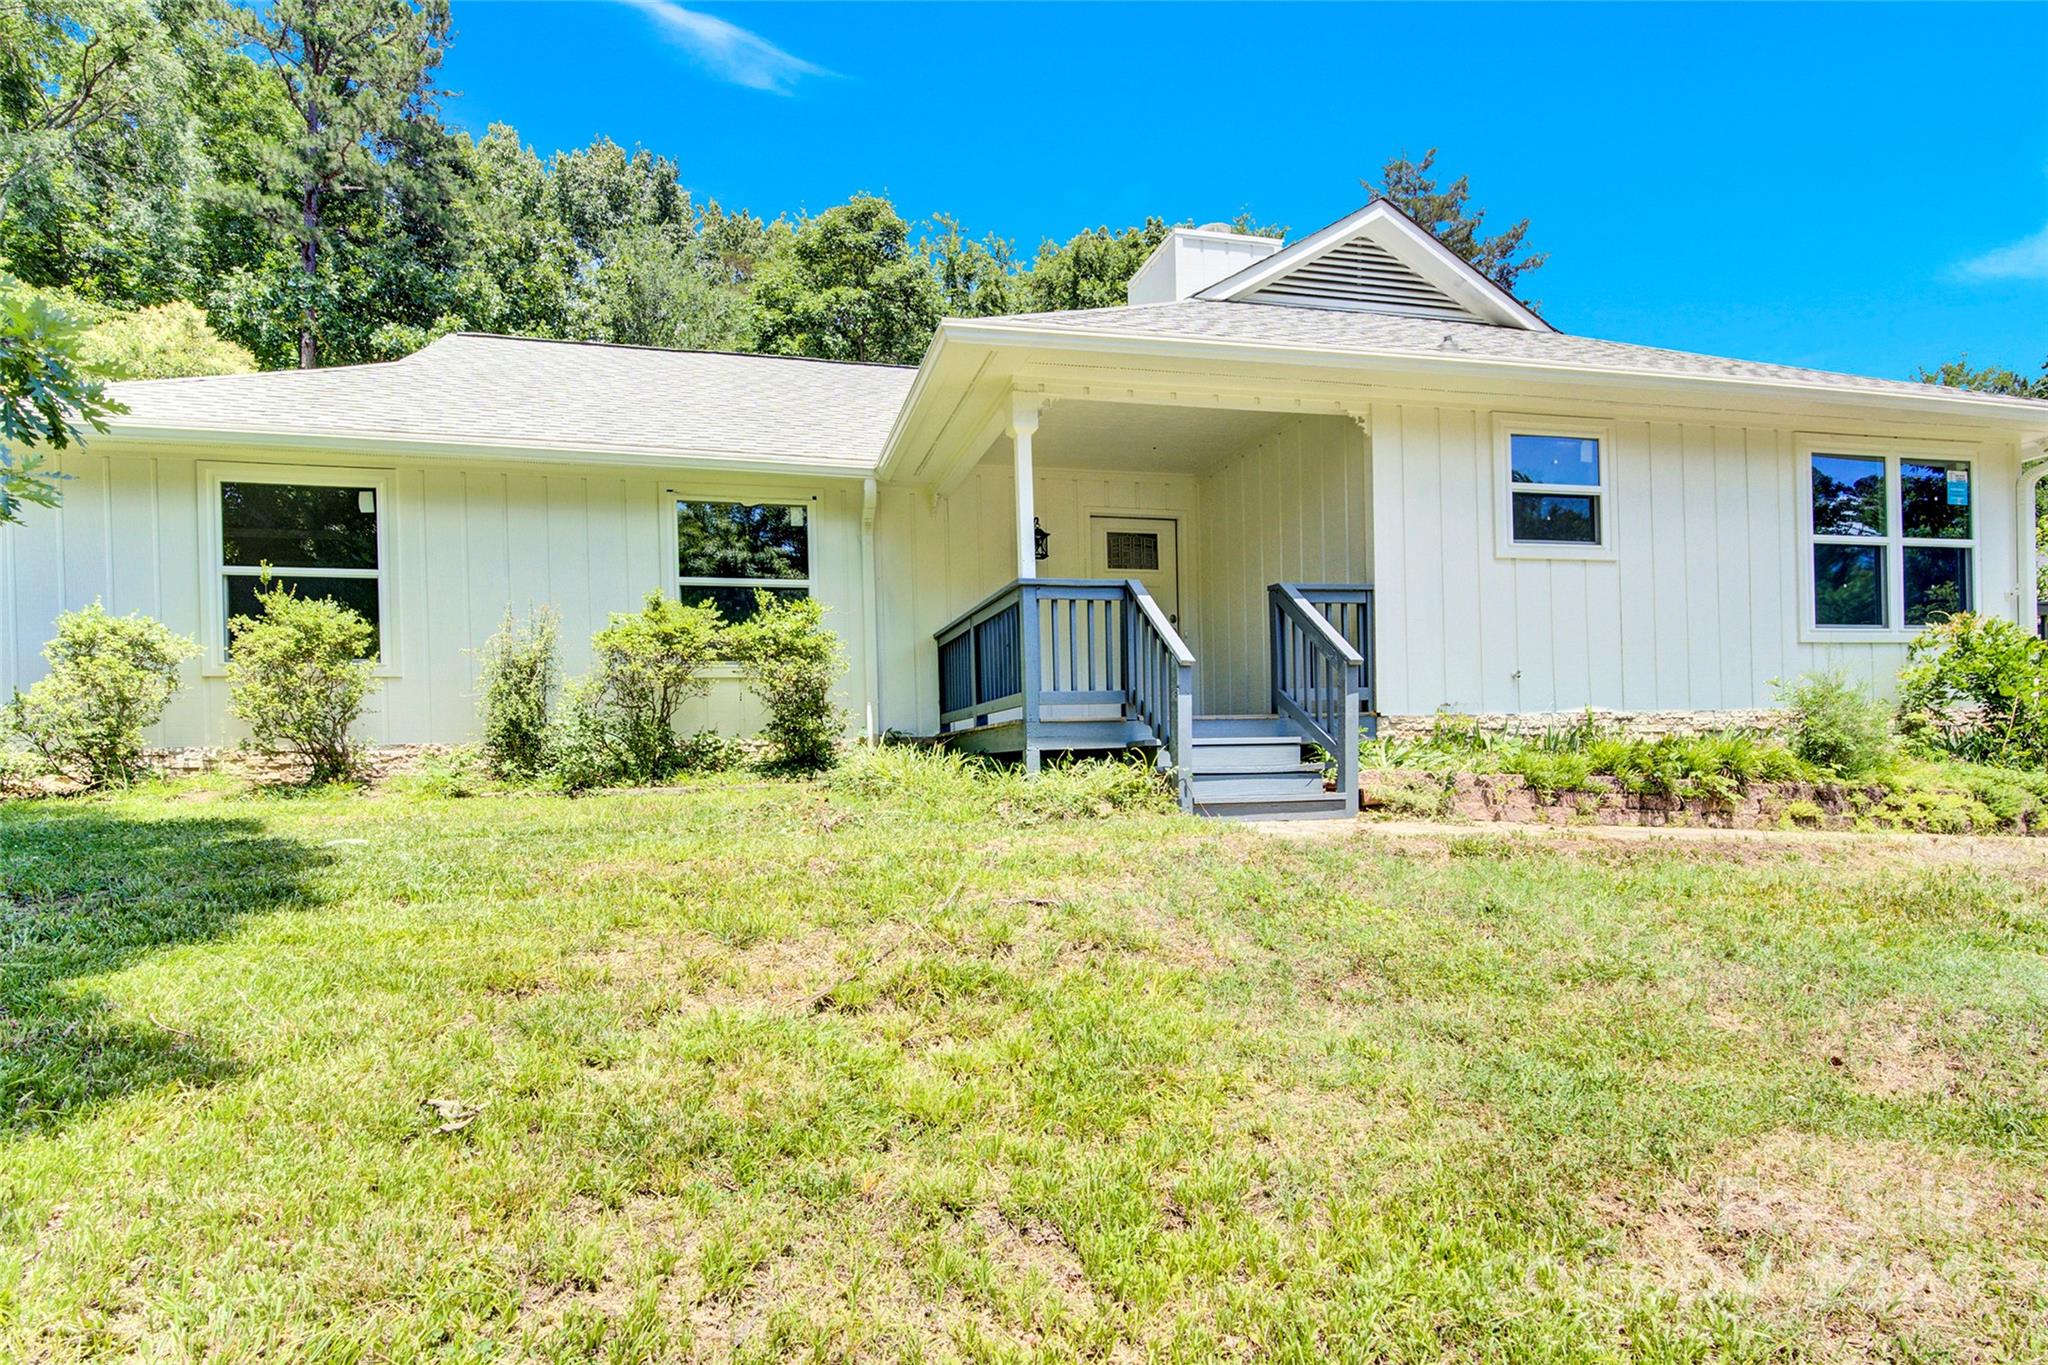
(2026, 259)
(726, 50)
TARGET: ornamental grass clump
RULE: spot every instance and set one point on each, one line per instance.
(298, 676)
(1836, 725)
(110, 679)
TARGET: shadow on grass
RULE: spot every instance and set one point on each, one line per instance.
(84, 891)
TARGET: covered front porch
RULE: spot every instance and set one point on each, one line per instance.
(1193, 613)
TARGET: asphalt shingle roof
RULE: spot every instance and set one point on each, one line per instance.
(509, 391)
(1393, 334)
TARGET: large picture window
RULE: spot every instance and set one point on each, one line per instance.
(1555, 495)
(1891, 539)
(317, 533)
(727, 551)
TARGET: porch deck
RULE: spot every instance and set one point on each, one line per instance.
(1067, 665)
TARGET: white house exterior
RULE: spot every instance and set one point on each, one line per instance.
(1546, 522)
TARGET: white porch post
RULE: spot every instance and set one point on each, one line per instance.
(2033, 468)
(1023, 424)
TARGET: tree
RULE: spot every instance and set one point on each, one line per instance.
(848, 287)
(97, 146)
(1092, 269)
(648, 291)
(976, 279)
(1957, 374)
(1447, 213)
(359, 75)
(45, 395)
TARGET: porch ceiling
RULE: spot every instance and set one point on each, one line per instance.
(1139, 437)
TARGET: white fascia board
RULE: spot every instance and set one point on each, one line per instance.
(372, 444)
(1439, 265)
(2026, 413)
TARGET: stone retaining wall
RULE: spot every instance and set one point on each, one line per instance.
(1507, 798)
(1639, 724)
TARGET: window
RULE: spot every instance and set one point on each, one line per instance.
(318, 533)
(726, 552)
(1134, 550)
(1890, 537)
(1555, 496)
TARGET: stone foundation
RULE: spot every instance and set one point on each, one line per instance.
(1637, 724)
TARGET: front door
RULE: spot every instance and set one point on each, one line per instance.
(1144, 548)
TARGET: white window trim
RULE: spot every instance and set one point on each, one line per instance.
(1508, 425)
(212, 607)
(1894, 542)
(752, 493)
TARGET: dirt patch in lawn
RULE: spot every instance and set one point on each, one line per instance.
(1857, 1241)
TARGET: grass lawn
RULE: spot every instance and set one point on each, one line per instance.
(761, 1070)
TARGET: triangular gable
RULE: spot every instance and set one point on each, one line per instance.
(1377, 260)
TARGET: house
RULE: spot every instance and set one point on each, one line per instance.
(1287, 487)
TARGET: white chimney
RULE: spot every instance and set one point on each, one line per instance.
(1192, 259)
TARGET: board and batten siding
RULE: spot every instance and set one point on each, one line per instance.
(1295, 507)
(1699, 608)
(938, 556)
(464, 543)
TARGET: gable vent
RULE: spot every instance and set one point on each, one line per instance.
(1363, 276)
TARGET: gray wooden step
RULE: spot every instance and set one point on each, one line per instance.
(1326, 806)
(1246, 753)
(1226, 727)
(1303, 779)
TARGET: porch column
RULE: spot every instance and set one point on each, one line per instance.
(1023, 424)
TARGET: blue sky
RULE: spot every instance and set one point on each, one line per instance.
(1854, 188)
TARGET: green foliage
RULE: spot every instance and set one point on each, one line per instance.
(791, 663)
(99, 145)
(359, 76)
(298, 676)
(976, 278)
(518, 677)
(164, 341)
(619, 722)
(46, 393)
(1716, 766)
(934, 781)
(1836, 725)
(1091, 269)
(1447, 214)
(848, 287)
(1957, 374)
(1977, 686)
(110, 679)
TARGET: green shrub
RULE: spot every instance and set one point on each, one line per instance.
(708, 751)
(619, 723)
(110, 679)
(1836, 725)
(517, 682)
(791, 663)
(1977, 686)
(298, 676)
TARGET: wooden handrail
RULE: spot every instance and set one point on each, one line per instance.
(1317, 678)
(1039, 643)
(1159, 680)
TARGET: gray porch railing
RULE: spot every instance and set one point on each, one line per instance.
(1058, 652)
(1317, 673)
(1349, 608)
